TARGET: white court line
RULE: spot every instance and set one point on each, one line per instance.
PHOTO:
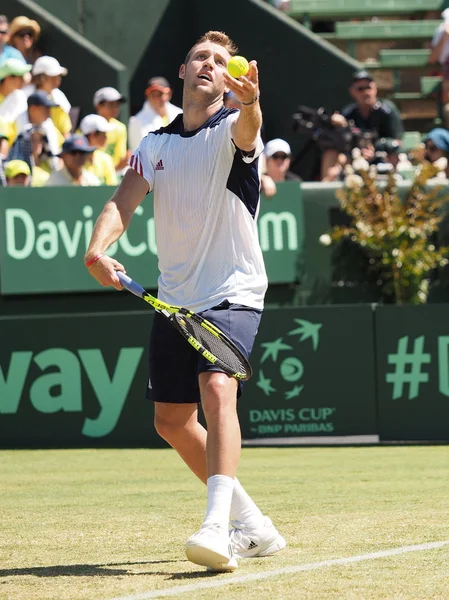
(230, 580)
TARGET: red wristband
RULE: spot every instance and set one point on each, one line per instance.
(92, 260)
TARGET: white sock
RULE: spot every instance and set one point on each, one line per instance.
(219, 495)
(243, 508)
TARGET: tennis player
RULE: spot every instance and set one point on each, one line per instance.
(203, 169)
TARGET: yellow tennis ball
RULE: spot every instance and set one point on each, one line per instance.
(238, 66)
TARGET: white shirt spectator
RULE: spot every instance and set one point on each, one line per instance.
(13, 106)
(63, 178)
(148, 120)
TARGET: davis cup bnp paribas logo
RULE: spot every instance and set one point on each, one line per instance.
(280, 377)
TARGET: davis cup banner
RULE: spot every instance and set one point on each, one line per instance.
(44, 233)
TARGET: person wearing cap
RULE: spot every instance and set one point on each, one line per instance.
(47, 75)
(23, 34)
(368, 114)
(17, 173)
(437, 145)
(12, 98)
(6, 50)
(38, 115)
(74, 154)
(277, 154)
(107, 101)
(101, 164)
(157, 111)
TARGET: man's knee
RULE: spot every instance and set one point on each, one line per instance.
(218, 394)
(173, 420)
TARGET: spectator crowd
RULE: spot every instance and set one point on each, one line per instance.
(42, 144)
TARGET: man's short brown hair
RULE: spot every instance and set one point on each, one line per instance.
(216, 37)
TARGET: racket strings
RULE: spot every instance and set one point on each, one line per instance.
(216, 346)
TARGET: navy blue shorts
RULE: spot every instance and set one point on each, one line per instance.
(175, 364)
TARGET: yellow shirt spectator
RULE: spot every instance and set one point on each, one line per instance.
(96, 128)
(116, 141)
(38, 177)
(102, 166)
(107, 101)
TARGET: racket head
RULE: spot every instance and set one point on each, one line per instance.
(212, 343)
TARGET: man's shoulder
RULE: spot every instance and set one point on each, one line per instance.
(349, 109)
(386, 106)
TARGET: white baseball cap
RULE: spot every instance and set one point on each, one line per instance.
(277, 145)
(92, 123)
(48, 65)
(107, 94)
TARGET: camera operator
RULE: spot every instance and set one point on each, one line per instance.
(368, 114)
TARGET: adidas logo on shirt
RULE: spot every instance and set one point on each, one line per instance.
(159, 166)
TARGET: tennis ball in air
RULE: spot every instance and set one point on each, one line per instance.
(238, 66)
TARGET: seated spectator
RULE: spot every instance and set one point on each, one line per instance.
(13, 100)
(46, 77)
(7, 51)
(440, 52)
(368, 115)
(99, 163)
(278, 158)
(275, 164)
(107, 102)
(23, 35)
(156, 112)
(38, 115)
(17, 174)
(75, 151)
(40, 168)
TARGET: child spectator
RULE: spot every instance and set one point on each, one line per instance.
(17, 173)
(13, 100)
(47, 74)
(107, 102)
(101, 164)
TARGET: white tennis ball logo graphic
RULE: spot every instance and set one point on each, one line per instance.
(291, 369)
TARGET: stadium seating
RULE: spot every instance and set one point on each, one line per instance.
(391, 39)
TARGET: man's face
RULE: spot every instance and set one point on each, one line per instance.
(364, 92)
(277, 165)
(109, 110)
(74, 161)
(37, 143)
(204, 71)
(158, 99)
(97, 139)
(13, 82)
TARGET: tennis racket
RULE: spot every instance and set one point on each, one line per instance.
(207, 339)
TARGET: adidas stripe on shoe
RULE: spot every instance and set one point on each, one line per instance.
(250, 542)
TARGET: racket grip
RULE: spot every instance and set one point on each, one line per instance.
(130, 284)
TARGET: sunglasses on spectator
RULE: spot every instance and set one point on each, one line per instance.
(25, 33)
(362, 88)
(77, 152)
(4, 31)
(279, 155)
(430, 146)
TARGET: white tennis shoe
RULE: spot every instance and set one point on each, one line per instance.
(211, 548)
(256, 541)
